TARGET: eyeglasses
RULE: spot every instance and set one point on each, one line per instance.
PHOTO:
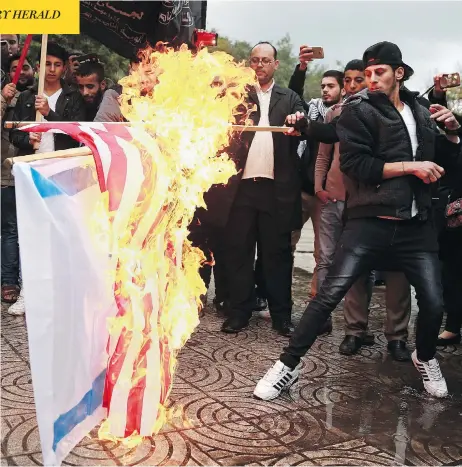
(265, 61)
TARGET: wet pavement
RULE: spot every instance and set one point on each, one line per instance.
(360, 410)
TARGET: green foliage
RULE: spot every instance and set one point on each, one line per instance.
(115, 65)
(287, 61)
(240, 50)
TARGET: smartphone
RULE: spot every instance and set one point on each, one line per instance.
(318, 52)
(450, 80)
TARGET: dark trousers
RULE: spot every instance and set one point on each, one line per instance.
(253, 219)
(210, 240)
(451, 256)
(10, 247)
(366, 244)
(260, 287)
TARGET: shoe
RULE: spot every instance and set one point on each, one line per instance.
(261, 304)
(234, 325)
(369, 339)
(433, 381)
(285, 328)
(326, 328)
(278, 378)
(18, 308)
(350, 345)
(441, 342)
(399, 351)
(220, 307)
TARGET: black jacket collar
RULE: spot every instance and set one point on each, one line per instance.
(276, 93)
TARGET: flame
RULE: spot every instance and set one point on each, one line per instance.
(188, 102)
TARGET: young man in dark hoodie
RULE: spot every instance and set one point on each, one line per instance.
(388, 145)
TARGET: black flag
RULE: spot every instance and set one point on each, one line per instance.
(125, 26)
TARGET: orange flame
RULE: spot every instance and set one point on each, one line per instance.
(188, 102)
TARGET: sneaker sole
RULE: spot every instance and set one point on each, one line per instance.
(285, 388)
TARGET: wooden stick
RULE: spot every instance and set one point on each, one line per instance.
(41, 81)
(273, 129)
(85, 151)
(74, 152)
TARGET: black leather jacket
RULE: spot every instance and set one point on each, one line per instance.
(372, 133)
(69, 108)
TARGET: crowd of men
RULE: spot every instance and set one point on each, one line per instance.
(372, 164)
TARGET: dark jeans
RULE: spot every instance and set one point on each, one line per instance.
(253, 219)
(451, 256)
(366, 244)
(10, 247)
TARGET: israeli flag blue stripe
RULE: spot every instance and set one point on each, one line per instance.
(69, 182)
(89, 403)
(45, 187)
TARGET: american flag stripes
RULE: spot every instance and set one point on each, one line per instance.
(131, 178)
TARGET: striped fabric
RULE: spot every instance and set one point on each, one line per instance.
(128, 176)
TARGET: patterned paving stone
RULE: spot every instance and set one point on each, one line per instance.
(359, 410)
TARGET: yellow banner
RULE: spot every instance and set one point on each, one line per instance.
(40, 17)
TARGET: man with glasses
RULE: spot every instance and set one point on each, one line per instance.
(263, 202)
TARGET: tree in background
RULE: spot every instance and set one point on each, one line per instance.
(240, 50)
(115, 66)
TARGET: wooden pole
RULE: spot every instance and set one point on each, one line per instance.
(74, 152)
(273, 129)
(41, 81)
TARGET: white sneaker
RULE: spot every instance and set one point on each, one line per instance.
(18, 308)
(433, 380)
(278, 378)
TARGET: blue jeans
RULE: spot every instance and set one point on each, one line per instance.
(10, 247)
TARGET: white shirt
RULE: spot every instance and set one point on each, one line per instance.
(411, 126)
(47, 144)
(260, 160)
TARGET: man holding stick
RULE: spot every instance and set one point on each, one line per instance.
(388, 145)
(264, 202)
(58, 103)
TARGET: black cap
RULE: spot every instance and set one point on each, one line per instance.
(386, 53)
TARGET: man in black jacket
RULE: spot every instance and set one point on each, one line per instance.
(263, 202)
(59, 103)
(388, 144)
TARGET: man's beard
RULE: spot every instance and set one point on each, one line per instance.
(22, 86)
(331, 103)
(96, 101)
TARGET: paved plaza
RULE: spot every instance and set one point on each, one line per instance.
(360, 410)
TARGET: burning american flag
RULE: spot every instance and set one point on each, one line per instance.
(151, 177)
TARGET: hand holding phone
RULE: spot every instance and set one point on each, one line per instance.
(450, 80)
(445, 81)
(318, 52)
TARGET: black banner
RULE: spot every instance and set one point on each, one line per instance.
(125, 26)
